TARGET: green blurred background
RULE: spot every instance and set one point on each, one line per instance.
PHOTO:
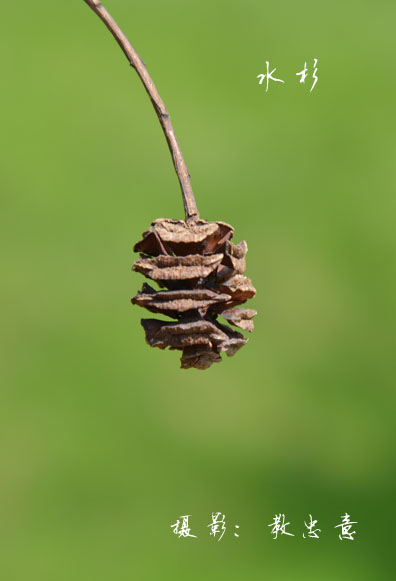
(106, 442)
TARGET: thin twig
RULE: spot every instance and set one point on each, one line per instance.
(136, 62)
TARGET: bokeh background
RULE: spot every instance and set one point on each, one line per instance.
(106, 442)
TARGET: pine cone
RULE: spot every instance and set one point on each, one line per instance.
(203, 274)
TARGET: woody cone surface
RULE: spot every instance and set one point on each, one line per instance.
(200, 275)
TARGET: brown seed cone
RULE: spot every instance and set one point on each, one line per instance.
(202, 273)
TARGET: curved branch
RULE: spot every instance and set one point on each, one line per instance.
(136, 62)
